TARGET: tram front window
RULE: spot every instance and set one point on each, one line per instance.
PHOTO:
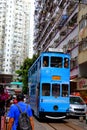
(56, 62)
(45, 61)
(56, 90)
(45, 89)
(66, 62)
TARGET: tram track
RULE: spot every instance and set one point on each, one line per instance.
(52, 126)
(59, 125)
(66, 126)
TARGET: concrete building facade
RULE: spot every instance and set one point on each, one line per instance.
(82, 50)
(58, 25)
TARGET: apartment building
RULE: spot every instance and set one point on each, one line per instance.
(14, 34)
(57, 26)
(82, 49)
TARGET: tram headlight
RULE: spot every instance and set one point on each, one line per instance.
(55, 107)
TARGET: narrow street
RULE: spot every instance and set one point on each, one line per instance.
(69, 124)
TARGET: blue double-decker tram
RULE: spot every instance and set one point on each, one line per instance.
(49, 85)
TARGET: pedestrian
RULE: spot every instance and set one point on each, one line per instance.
(14, 113)
(15, 99)
(4, 96)
(45, 63)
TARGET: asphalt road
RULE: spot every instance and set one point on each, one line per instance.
(79, 125)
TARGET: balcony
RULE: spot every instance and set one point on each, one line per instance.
(63, 31)
(83, 45)
(62, 20)
(66, 48)
(82, 57)
(61, 3)
(71, 7)
(74, 63)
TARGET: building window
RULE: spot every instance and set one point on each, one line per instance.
(82, 24)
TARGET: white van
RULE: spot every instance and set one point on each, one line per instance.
(77, 106)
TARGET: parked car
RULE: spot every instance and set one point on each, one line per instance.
(77, 106)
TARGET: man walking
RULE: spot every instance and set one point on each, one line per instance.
(14, 113)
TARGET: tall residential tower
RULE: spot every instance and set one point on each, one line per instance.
(14, 34)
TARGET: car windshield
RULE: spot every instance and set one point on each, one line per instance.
(76, 100)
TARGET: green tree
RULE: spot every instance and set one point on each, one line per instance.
(23, 72)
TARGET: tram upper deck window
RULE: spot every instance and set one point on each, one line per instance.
(56, 62)
(45, 61)
(66, 62)
(56, 90)
(45, 89)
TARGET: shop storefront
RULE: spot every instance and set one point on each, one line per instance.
(82, 88)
